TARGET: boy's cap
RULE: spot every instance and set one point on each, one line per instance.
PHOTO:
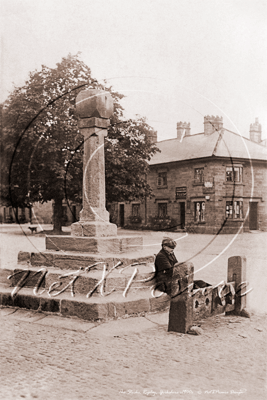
(169, 242)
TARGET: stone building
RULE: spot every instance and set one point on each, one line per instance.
(40, 213)
(208, 182)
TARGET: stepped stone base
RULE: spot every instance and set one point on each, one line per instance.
(72, 260)
(37, 290)
(85, 281)
(92, 309)
(100, 245)
(93, 229)
(36, 286)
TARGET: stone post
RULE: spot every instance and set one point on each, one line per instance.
(181, 307)
(94, 108)
(237, 273)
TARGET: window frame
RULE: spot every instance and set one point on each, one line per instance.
(138, 208)
(230, 172)
(163, 176)
(199, 178)
(164, 215)
(199, 217)
(233, 207)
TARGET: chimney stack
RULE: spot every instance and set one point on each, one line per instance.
(212, 124)
(255, 131)
(152, 136)
(183, 129)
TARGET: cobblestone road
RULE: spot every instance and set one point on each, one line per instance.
(112, 361)
(136, 358)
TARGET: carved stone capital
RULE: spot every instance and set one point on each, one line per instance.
(93, 123)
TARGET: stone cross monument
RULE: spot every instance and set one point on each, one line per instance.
(93, 233)
(94, 108)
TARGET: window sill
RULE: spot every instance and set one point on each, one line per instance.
(200, 223)
(198, 184)
(235, 219)
(162, 187)
(234, 183)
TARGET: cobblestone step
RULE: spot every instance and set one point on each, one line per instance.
(62, 283)
(94, 308)
(135, 278)
(74, 260)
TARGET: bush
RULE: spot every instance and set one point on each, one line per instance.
(190, 227)
(159, 223)
(135, 219)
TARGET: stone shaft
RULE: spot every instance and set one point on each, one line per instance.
(94, 108)
(94, 176)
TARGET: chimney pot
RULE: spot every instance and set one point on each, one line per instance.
(183, 129)
(212, 124)
(255, 131)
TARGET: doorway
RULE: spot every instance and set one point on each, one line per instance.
(253, 216)
(73, 214)
(182, 215)
(122, 215)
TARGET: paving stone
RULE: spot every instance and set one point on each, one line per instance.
(26, 316)
(6, 311)
(66, 323)
(84, 310)
(122, 327)
(159, 318)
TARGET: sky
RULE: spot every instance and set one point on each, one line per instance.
(174, 60)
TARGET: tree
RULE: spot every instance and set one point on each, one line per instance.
(128, 148)
(43, 147)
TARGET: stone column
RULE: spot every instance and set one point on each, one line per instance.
(94, 108)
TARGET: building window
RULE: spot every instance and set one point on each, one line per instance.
(233, 174)
(135, 210)
(162, 210)
(180, 193)
(200, 211)
(234, 211)
(199, 175)
(162, 179)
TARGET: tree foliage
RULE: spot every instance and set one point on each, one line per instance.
(43, 147)
(127, 151)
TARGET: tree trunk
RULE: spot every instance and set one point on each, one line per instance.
(58, 216)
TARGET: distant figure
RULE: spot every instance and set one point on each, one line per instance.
(164, 263)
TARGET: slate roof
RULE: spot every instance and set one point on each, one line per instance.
(220, 144)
